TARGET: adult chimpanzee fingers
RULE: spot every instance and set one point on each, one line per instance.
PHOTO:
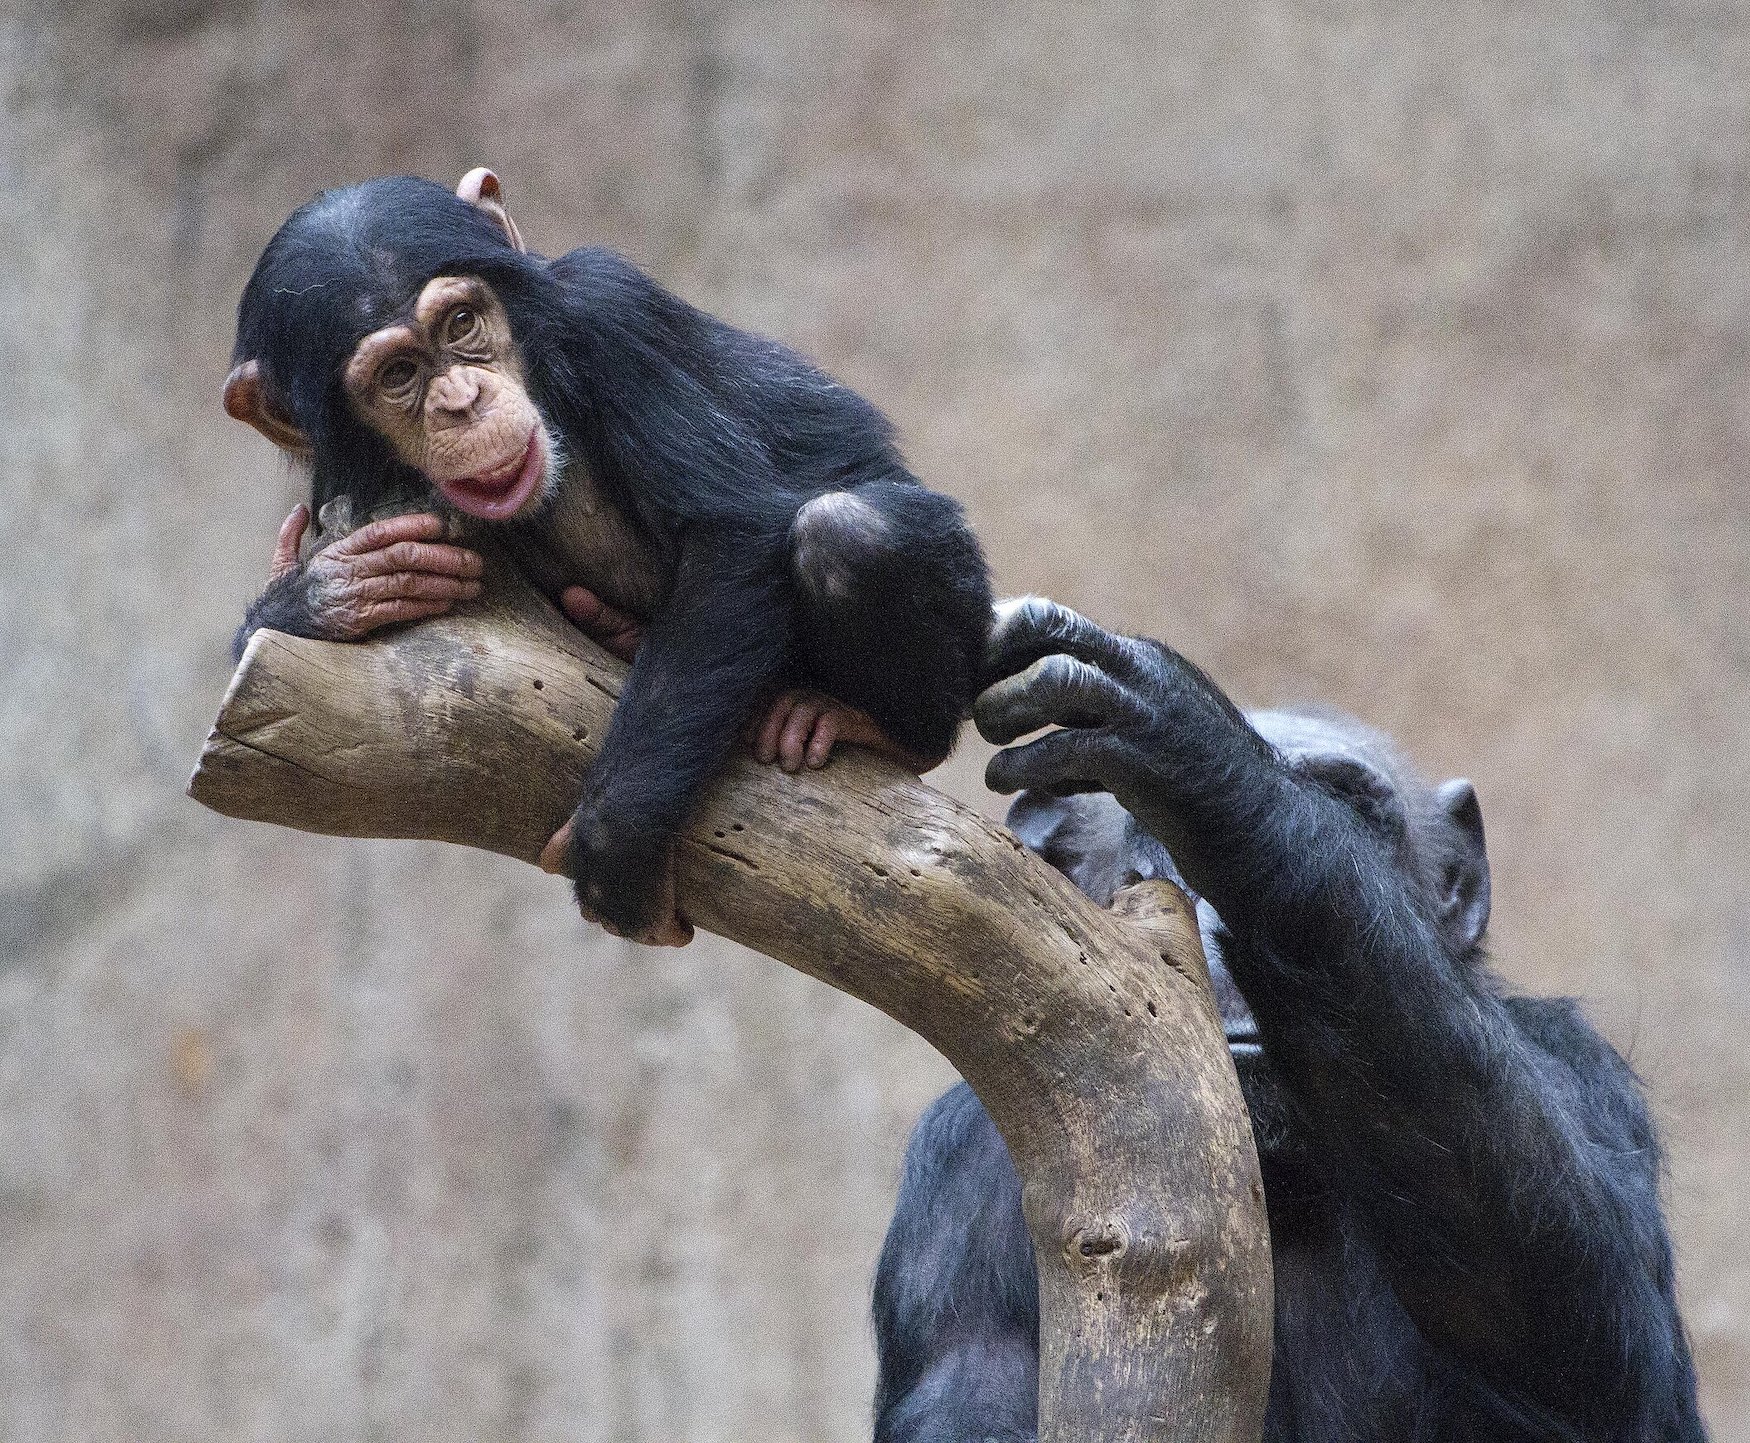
(285, 546)
(1056, 690)
(418, 556)
(415, 526)
(1030, 627)
(1072, 786)
(1057, 763)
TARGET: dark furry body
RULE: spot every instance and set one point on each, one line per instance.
(1463, 1186)
(693, 452)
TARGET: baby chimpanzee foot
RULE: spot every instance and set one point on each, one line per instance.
(662, 927)
(802, 728)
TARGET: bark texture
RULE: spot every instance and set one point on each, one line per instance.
(1091, 1036)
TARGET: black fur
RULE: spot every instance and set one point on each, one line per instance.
(1463, 1186)
(712, 442)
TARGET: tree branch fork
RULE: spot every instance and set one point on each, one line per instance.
(1091, 1036)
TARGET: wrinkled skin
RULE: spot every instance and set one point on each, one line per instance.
(445, 387)
(1462, 1184)
(391, 571)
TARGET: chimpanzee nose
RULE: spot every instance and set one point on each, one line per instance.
(455, 394)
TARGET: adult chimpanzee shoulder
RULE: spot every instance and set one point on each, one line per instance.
(748, 512)
(1462, 1184)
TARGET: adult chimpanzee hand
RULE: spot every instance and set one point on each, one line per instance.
(389, 571)
(1137, 720)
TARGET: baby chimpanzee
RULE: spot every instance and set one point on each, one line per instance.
(748, 509)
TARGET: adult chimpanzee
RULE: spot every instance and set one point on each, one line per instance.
(1462, 1185)
(753, 511)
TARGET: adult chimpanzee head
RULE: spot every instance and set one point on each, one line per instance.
(1436, 833)
(377, 340)
(1437, 830)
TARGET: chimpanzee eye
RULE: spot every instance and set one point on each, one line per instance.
(463, 322)
(397, 375)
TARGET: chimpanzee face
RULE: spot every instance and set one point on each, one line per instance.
(445, 387)
(1100, 847)
(441, 382)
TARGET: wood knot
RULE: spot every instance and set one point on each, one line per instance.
(1089, 1240)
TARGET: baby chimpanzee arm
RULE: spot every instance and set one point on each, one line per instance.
(718, 646)
(1496, 1151)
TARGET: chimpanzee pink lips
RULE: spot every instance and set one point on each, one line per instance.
(498, 494)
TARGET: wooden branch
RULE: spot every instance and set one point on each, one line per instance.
(1090, 1036)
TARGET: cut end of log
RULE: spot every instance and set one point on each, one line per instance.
(230, 776)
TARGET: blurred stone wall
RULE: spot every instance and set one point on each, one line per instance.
(1390, 354)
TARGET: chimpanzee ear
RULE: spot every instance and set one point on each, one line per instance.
(480, 187)
(247, 400)
(1464, 875)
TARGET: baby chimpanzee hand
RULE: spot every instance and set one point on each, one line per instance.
(625, 885)
(650, 917)
(615, 632)
(801, 728)
(389, 571)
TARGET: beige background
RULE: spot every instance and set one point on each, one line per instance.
(1391, 354)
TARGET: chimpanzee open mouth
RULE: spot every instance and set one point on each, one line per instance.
(499, 494)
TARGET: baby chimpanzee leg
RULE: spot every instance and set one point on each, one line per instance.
(893, 608)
